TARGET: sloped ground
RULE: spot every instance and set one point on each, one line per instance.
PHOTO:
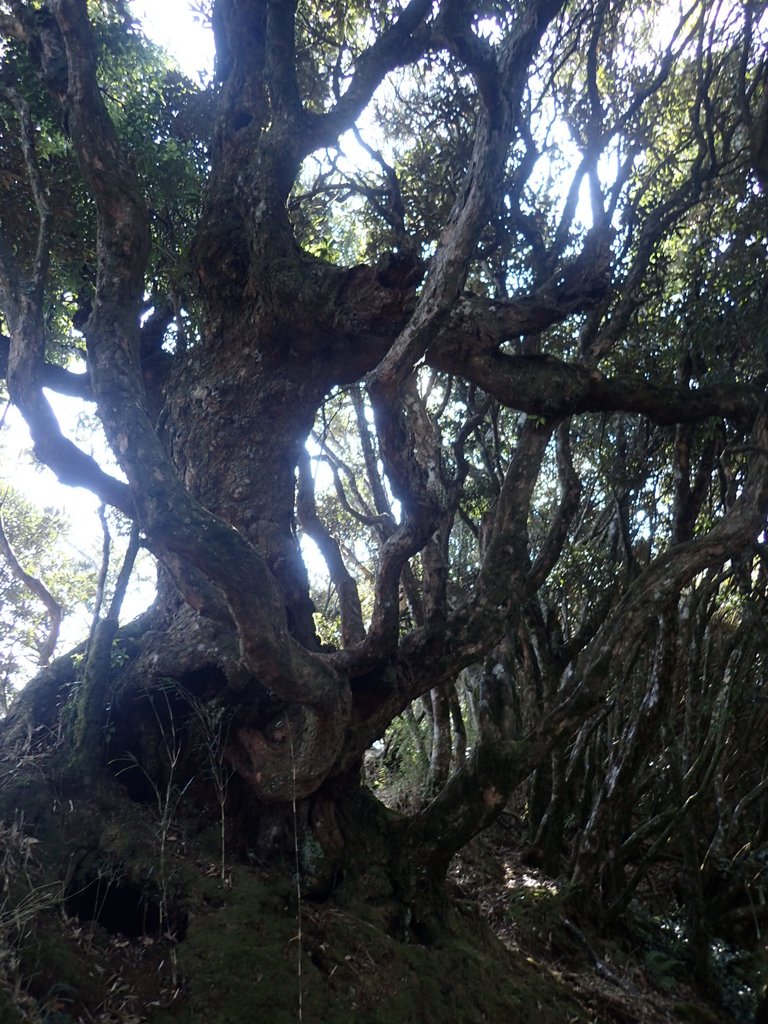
(640, 976)
(245, 948)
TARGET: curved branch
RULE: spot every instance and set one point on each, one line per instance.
(411, 460)
(397, 45)
(570, 493)
(55, 378)
(662, 581)
(500, 91)
(545, 386)
(352, 628)
(24, 352)
(39, 196)
(426, 658)
(70, 464)
(498, 766)
(39, 589)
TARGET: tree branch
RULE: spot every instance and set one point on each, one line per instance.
(55, 378)
(570, 494)
(39, 589)
(397, 45)
(36, 286)
(22, 299)
(281, 60)
(352, 629)
(545, 386)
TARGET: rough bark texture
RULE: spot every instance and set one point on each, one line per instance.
(210, 447)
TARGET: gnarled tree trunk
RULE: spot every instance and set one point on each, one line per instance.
(209, 436)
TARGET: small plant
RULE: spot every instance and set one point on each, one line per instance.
(737, 974)
(22, 902)
(168, 796)
(213, 723)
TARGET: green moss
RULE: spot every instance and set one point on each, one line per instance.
(52, 965)
(242, 961)
(312, 855)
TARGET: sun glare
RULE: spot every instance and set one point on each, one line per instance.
(174, 25)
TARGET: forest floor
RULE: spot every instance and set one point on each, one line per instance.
(248, 949)
(637, 973)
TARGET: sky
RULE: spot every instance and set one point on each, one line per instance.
(171, 24)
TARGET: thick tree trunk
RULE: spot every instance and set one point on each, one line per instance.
(238, 417)
(209, 447)
(340, 842)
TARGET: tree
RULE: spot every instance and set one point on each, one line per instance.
(534, 363)
(38, 586)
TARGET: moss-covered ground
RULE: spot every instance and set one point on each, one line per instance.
(104, 919)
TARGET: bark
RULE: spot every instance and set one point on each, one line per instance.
(210, 447)
(94, 688)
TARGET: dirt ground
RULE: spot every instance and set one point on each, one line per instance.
(138, 938)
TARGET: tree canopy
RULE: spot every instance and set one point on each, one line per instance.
(473, 296)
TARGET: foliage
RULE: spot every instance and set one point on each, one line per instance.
(471, 296)
(37, 538)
